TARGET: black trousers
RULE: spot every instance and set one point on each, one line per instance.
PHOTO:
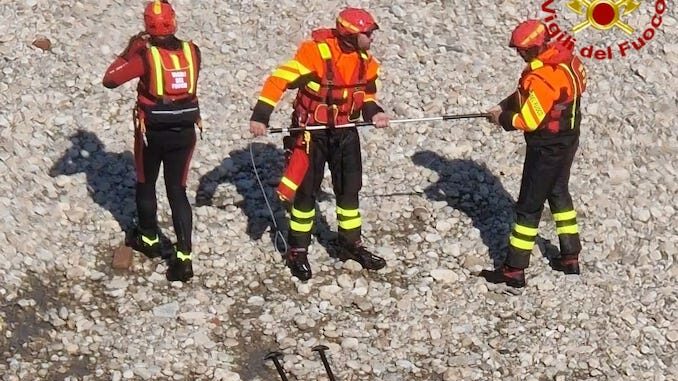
(340, 149)
(546, 176)
(173, 148)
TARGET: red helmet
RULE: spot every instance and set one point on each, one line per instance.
(529, 34)
(160, 19)
(355, 20)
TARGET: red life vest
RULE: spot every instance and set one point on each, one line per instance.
(333, 100)
(172, 86)
(565, 114)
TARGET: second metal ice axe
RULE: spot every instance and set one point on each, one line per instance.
(275, 356)
(364, 124)
(321, 351)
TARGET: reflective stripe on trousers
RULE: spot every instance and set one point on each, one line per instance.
(546, 175)
(566, 222)
(340, 149)
(302, 221)
(348, 219)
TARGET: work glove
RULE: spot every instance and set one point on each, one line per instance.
(257, 128)
(135, 45)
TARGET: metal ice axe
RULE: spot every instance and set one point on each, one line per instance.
(321, 351)
(275, 356)
(364, 124)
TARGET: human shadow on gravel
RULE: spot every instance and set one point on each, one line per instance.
(110, 175)
(237, 169)
(35, 326)
(474, 190)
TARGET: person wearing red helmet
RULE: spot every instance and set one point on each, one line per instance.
(546, 107)
(165, 117)
(336, 78)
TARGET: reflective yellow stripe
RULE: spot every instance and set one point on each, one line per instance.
(157, 8)
(532, 105)
(364, 55)
(513, 120)
(539, 29)
(325, 52)
(266, 100)
(315, 86)
(353, 223)
(536, 106)
(527, 117)
(536, 64)
(296, 65)
(348, 25)
(564, 216)
(175, 61)
(286, 75)
(521, 244)
(300, 227)
(570, 229)
(150, 241)
(576, 93)
(157, 67)
(347, 212)
(528, 231)
(183, 257)
(289, 183)
(300, 214)
(191, 66)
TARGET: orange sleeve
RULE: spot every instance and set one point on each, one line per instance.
(537, 96)
(306, 62)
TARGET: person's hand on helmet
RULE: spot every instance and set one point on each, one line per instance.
(257, 128)
(135, 44)
(493, 114)
(381, 120)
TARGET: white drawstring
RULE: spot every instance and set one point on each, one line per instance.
(278, 234)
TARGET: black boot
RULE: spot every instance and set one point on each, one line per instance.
(360, 254)
(567, 264)
(297, 261)
(180, 267)
(511, 276)
(148, 246)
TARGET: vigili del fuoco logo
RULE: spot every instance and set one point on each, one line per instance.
(604, 16)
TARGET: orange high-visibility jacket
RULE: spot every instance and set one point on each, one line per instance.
(548, 95)
(335, 86)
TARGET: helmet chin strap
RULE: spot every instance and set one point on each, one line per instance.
(349, 43)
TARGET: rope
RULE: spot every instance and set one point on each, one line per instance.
(278, 234)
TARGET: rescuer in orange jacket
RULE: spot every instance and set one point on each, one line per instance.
(165, 117)
(336, 79)
(546, 107)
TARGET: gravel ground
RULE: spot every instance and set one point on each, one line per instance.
(436, 204)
